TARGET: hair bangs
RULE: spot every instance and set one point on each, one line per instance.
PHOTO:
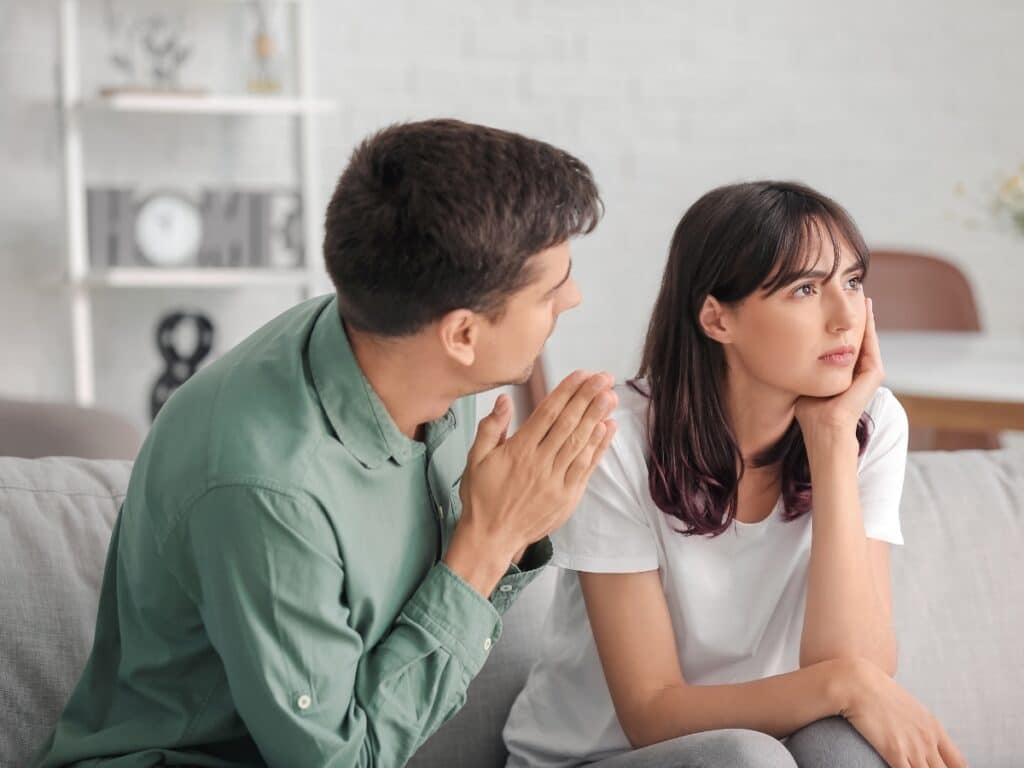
(799, 250)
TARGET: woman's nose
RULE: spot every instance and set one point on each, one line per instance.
(843, 312)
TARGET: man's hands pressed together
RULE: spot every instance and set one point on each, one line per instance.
(517, 490)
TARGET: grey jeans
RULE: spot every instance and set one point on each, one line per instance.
(828, 743)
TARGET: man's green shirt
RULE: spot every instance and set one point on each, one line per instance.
(273, 592)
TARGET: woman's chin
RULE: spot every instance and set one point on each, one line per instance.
(830, 387)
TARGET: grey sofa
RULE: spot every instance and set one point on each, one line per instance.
(959, 597)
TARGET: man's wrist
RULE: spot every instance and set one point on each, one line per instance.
(478, 563)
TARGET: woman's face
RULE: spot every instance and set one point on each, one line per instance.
(803, 339)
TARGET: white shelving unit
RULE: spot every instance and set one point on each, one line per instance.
(199, 277)
(206, 104)
(83, 278)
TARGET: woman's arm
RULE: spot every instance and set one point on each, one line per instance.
(849, 602)
(637, 647)
(849, 597)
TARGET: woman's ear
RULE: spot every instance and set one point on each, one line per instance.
(458, 332)
(715, 321)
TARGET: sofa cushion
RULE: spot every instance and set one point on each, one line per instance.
(958, 597)
(56, 515)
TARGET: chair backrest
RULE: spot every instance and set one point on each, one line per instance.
(30, 430)
(918, 292)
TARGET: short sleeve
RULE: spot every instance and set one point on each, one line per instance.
(882, 468)
(610, 531)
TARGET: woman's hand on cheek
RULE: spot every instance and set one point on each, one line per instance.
(830, 417)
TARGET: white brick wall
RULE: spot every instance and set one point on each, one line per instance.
(884, 107)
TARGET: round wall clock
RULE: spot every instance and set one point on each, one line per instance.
(168, 229)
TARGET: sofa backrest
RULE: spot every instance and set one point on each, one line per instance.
(958, 597)
(958, 592)
(56, 515)
(31, 429)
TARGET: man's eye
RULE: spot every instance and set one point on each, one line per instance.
(804, 290)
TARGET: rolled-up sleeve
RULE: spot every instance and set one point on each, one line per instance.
(517, 577)
(270, 586)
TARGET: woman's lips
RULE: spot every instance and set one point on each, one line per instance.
(840, 357)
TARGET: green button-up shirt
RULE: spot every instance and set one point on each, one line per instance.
(273, 592)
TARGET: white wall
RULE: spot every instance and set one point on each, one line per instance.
(884, 106)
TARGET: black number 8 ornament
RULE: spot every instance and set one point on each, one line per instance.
(178, 367)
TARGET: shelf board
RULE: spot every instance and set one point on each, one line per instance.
(237, 2)
(199, 277)
(210, 104)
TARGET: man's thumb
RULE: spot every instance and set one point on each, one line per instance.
(492, 429)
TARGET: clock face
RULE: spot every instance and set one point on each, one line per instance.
(168, 229)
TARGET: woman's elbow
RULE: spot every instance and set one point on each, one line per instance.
(638, 734)
(653, 720)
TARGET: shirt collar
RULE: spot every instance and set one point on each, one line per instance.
(357, 414)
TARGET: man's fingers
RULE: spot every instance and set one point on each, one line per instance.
(550, 408)
(582, 468)
(491, 431)
(568, 440)
(591, 403)
(612, 427)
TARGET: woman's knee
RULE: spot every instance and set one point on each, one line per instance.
(747, 749)
(832, 742)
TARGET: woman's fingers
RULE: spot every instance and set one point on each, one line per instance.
(870, 351)
(950, 754)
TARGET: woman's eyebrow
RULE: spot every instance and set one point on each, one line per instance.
(817, 273)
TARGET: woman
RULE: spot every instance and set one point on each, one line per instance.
(696, 621)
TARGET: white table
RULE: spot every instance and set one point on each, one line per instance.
(960, 381)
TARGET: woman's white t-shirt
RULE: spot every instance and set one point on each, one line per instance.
(736, 600)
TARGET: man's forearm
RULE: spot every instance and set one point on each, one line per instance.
(416, 677)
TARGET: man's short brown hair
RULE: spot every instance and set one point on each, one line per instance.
(439, 215)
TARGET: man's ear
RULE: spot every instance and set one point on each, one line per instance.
(459, 332)
(715, 321)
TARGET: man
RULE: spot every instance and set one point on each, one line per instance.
(301, 573)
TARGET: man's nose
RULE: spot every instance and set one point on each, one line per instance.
(570, 297)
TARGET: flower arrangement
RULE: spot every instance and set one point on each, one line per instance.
(999, 205)
(1010, 199)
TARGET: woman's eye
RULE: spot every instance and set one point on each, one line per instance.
(855, 282)
(804, 290)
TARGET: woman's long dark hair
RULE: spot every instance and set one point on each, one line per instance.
(735, 240)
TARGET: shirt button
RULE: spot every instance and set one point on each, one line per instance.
(303, 702)
(505, 588)
(440, 512)
(487, 644)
